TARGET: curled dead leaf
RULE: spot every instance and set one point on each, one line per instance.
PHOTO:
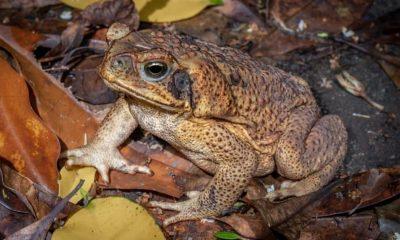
(247, 226)
(39, 229)
(104, 13)
(355, 87)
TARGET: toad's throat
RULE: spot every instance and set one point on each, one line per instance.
(135, 94)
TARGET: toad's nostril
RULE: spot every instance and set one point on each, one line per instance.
(122, 65)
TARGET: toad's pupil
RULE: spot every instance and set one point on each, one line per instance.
(156, 69)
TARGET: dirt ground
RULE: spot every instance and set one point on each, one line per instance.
(374, 140)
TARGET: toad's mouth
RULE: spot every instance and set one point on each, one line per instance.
(135, 93)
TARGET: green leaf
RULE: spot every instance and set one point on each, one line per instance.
(217, 2)
(323, 35)
(226, 235)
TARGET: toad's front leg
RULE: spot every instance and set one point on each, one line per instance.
(237, 163)
(102, 153)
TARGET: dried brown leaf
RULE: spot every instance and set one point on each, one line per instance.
(107, 12)
(392, 71)
(25, 140)
(86, 84)
(248, 226)
(361, 190)
(338, 228)
(102, 13)
(355, 87)
(39, 229)
(239, 11)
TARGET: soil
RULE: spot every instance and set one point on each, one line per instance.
(374, 138)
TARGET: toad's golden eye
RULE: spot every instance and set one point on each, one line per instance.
(154, 71)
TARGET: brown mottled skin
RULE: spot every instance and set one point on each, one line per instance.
(231, 115)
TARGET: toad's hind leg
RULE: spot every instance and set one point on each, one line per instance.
(309, 155)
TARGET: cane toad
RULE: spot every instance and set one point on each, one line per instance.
(232, 116)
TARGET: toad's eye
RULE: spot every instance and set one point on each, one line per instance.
(154, 71)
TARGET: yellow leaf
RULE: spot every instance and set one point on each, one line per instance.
(80, 4)
(171, 10)
(108, 219)
(70, 178)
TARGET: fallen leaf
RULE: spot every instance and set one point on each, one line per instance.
(377, 185)
(105, 13)
(237, 10)
(392, 71)
(36, 197)
(13, 200)
(193, 229)
(70, 178)
(355, 87)
(171, 10)
(38, 230)
(25, 140)
(373, 188)
(338, 228)
(15, 210)
(227, 235)
(102, 13)
(80, 4)
(340, 197)
(389, 218)
(110, 218)
(247, 226)
(86, 84)
(11, 223)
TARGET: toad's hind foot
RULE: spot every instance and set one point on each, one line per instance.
(103, 160)
(308, 185)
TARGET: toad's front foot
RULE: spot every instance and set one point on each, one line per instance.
(188, 210)
(103, 159)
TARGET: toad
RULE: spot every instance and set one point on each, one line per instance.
(231, 115)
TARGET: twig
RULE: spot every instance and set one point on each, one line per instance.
(387, 58)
